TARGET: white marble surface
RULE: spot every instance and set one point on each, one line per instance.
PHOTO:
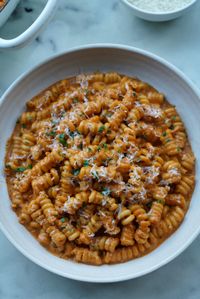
(79, 22)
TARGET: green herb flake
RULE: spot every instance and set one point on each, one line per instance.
(62, 139)
(171, 127)
(85, 163)
(173, 117)
(76, 171)
(62, 219)
(80, 146)
(144, 137)
(86, 91)
(51, 133)
(178, 149)
(62, 113)
(23, 126)
(20, 169)
(95, 174)
(101, 129)
(73, 134)
(108, 160)
(75, 100)
(161, 201)
(168, 140)
(99, 148)
(105, 145)
(105, 191)
(164, 134)
(89, 149)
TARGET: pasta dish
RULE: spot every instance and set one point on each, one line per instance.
(99, 168)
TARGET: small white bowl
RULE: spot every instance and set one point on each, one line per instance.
(158, 16)
(6, 11)
(32, 31)
(125, 60)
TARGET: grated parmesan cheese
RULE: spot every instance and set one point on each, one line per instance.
(160, 5)
(174, 171)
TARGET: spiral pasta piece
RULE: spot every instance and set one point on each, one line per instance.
(186, 185)
(36, 212)
(139, 212)
(44, 165)
(48, 96)
(155, 97)
(17, 199)
(104, 243)
(106, 201)
(155, 213)
(28, 140)
(17, 150)
(47, 207)
(45, 181)
(127, 235)
(43, 238)
(172, 172)
(70, 232)
(56, 236)
(142, 233)
(92, 126)
(134, 115)
(73, 204)
(170, 223)
(110, 225)
(77, 158)
(66, 183)
(101, 173)
(188, 161)
(125, 254)
(24, 217)
(93, 226)
(125, 216)
(176, 200)
(28, 117)
(110, 78)
(86, 256)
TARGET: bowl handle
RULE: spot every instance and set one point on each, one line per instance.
(33, 30)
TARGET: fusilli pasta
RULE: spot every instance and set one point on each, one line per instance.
(99, 168)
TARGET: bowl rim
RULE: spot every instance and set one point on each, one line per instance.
(152, 13)
(129, 275)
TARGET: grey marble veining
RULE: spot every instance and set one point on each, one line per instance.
(79, 22)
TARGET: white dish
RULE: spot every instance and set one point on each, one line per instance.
(6, 11)
(32, 31)
(126, 60)
(158, 16)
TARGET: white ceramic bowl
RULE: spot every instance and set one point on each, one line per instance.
(156, 16)
(126, 60)
(33, 30)
(6, 11)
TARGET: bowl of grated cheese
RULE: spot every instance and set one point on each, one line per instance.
(159, 10)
